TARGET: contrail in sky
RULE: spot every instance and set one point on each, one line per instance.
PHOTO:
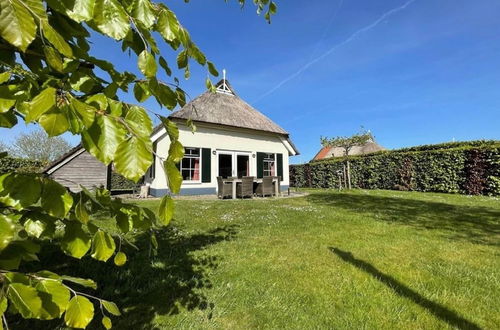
(334, 48)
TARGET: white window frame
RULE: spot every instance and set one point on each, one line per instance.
(267, 161)
(192, 157)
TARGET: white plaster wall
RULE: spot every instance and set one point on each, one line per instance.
(217, 138)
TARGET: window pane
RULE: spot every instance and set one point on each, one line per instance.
(195, 169)
(186, 163)
(192, 151)
(186, 175)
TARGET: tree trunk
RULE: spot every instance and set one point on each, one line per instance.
(345, 176)
(349, 174)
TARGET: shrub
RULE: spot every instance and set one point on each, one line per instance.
(118, 182)
(468, 168)
(20, 165)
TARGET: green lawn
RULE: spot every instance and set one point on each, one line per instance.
(361, 259)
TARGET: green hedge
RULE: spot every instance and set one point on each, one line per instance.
(10, 164)
(471, 168)
(118, 182)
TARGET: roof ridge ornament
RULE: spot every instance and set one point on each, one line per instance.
(223, 86)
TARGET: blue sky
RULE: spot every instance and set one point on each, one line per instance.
(427, 73)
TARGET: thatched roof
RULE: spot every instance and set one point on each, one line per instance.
(226, 108)
(368, 148)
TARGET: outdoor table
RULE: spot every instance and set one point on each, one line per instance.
(236, 181)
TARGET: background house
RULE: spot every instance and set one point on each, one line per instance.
(232, 139)
(329, 152)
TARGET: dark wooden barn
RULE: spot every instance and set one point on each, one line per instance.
(78, 167)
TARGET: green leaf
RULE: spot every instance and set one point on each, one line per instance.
(41, 103)
(211, 68)
(38, 224)
(81, 211)
(147, 64)
(54, 122)
(164, 65)
(25, 299)
(176, 151)
(140, 119)
(56, 200)
(111, 18)
(8, 119)
(34, 228)
(182, 59)
(143, 12)
(164, 95)
(6, 231)
(103, 246)
(75, 242)
(19, 190)
(55, 297)
(272, 8)
(166, 210)
(167, 24)
(53, 58)
(102, 138)
(106, 322)
(79, 312)
(174, 176)
(80, 281)
(17, 26)
(133, 157)
(83, 10)
(6, 105)
(120, 259)
(111, 307)
(85, 111)
(3, 305)
(209, 85)
(171, 128)
(56, 39)
(141, 91)
(4, 76)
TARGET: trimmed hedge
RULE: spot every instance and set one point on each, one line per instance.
(118, 182)
(471, 168)
(21, 165)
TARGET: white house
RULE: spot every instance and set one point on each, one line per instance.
(232, 139)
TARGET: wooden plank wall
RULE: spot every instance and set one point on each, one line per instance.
(83, 170)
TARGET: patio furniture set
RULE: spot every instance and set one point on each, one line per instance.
(248, 186)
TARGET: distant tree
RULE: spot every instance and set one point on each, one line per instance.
(3, 147)
(347, 143)
(37, 145)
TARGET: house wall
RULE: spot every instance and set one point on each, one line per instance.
(218, 139)
(84, 169)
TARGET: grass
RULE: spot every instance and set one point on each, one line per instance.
(359, 259)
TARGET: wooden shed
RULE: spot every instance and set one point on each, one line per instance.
(78, 167)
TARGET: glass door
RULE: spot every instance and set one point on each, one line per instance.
(242, 165)
(233, 164)
(225, 161)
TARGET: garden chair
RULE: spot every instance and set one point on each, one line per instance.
(224, 189)
(265, 188)
(245, 188)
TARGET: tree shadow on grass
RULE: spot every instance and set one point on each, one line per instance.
(441, 312)
(147, 285)
(475, 224)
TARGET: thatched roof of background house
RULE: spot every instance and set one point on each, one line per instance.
(368, 148)
(226, 108)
